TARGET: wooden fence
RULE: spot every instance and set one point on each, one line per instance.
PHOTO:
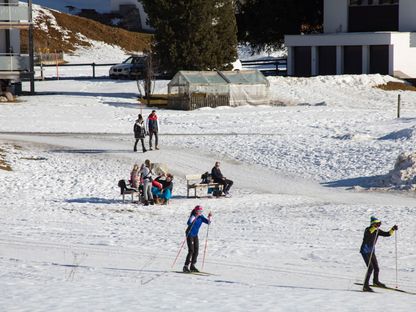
(197, 100)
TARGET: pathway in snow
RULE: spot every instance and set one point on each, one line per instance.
(247, 177)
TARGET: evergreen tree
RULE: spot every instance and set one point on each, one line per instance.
(193, 34)
(263, 23)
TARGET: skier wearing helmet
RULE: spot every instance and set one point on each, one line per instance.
(194, 223)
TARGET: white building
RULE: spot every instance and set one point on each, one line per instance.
(116, 6)
(360, 37)
(14, 15)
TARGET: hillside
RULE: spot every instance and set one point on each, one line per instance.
(56, 31)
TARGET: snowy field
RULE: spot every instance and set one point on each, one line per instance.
(287, 240)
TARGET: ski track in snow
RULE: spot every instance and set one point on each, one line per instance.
(283, 242)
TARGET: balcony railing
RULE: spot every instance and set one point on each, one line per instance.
(13, 13)
(14, 63)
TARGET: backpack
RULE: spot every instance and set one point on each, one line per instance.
(122, 185)
(206, 177)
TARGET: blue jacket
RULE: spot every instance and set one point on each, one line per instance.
(194, 223)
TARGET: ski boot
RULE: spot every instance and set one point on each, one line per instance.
(186, 269)
(379, 284)
(367, 288)
(194, 269)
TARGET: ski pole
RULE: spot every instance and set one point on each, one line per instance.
(180, 249)
(371, 256)
(395, 238)
(205, 249)
(183, 243)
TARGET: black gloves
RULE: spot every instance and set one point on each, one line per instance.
(395, 227)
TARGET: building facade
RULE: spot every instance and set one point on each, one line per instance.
(360, 37)
(14, 16)
(132, 10)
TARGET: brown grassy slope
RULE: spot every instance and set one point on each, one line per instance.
(54, 40)
(393, 86)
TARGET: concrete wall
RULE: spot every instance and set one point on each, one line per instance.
(407, 14)
(339, 39)
(403, 56)
(335, 16)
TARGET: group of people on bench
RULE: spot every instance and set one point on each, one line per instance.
(154, 190)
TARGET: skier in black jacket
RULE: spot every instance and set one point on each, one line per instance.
(367, 250)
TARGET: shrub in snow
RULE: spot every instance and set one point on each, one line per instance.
(403, 175)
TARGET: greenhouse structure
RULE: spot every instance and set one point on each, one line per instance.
(190, 90)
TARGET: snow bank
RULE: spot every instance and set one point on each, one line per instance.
(403, 176)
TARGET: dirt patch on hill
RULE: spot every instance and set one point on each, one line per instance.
(3, 164)
(394, 86)
(75, 31)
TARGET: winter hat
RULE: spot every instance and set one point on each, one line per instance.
(374, 220)
(198, 208)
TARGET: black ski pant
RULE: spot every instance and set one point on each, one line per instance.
(373, 266)
(193, 249)
(151, 132)
(135, 145)
(226, 185)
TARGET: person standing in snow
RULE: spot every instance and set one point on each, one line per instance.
(194, 223)
(146, 176)
(139, 132)
(219, 178)
(367, 250)
(152, 126)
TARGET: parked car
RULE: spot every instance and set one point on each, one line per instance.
(132, 68)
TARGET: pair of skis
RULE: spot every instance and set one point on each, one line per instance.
(195, 273)
(389, 288)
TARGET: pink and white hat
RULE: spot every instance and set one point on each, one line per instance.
(198, 209)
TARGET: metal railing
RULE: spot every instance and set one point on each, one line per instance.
(57, 66)
(269, 67)
(14, 62)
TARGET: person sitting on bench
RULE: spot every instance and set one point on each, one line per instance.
(219, 178)
(164, 193)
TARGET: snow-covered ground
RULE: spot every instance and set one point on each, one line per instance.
(287, 240)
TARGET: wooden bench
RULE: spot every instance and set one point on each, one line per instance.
(125, 189)
(193, 181)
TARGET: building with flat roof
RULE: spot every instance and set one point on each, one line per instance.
(360, 37)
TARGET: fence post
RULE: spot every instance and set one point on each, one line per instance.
(398, 106)
(93, 70)
(57, 65)
(41, 70)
